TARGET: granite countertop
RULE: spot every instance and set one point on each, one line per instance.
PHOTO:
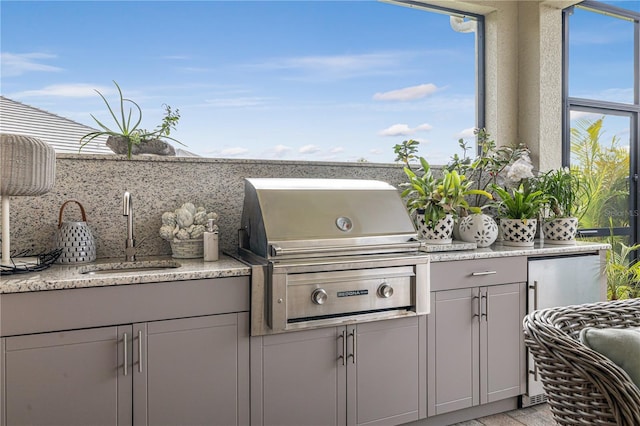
(500, 250)
(59, 277)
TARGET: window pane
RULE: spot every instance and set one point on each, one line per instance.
(601, 57)
(292, 80)
(600, 151)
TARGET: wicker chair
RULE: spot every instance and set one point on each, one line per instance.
(582, 386)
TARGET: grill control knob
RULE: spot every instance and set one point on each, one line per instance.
(319, 296)
(385, 291)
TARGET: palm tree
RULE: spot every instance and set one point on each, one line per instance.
(605, 170)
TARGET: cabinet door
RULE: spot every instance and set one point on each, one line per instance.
(383, 372)
(502, 352)
(453, 351)
(194, 371)
(68, 378)
(299, 378)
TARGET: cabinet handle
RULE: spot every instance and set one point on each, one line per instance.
(344, 347)
(486, 307)
(534, 287)
(125, 337)
(140, 351)
(352, 355)
(476, 307)
(534, 372)
(479, 274)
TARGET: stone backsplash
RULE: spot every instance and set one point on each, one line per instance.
(158, 184)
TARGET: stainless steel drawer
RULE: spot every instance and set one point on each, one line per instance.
(478, 272)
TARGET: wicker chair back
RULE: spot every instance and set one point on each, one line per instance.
(582, 386)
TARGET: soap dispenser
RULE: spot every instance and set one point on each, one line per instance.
(211, 241)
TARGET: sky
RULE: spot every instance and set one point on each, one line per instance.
(291, 80)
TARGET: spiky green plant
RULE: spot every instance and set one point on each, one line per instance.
(131, 132)
(604, 168)
(567, 195)
(623, 271)
(520, 203)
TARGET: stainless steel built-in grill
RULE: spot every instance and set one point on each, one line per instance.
(329, 251)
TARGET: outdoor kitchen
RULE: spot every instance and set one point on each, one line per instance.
(374, 213)
(356, 292)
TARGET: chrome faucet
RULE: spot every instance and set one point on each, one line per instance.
(130, 245)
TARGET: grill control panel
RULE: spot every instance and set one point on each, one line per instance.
(311, 295)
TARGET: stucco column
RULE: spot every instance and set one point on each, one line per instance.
(501, 73)
(540, 80)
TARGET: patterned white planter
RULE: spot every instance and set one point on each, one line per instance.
(478, 228)
(560, 230)
(438, 234)
(518, 232)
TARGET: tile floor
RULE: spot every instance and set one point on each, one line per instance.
(537, 415)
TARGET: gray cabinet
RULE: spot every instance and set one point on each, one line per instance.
(475, 343)
(193, 372)
(188, 371)
(368, 373)
(67, 378)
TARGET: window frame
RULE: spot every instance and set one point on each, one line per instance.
(606, 107)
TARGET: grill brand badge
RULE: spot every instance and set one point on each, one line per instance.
(349, 293)
(344, 224)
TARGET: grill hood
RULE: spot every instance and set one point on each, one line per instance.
(305, 217)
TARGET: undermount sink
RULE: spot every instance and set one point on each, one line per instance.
(120, 267)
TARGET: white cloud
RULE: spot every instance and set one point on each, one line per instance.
(74, 90)
(404, 129)
(407, 93)
(280, 150)
(338, 66)
(234, 152)
(466, 133)
(396, 130)
(336, 150)
(309, 149)
(375, 151)
(18, 64)
(423, 127)
(575, 115)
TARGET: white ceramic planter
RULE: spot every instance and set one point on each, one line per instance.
(478, 228)
(438, 234)
(518, 232)
(560, 230)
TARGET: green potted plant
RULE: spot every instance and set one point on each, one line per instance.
(424, 200)
(518, 210)
(436, 202)
(493, 165)
(473, 225)
(130, 138)
(564, 189)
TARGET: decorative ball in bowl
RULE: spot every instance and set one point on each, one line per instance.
(184, 228)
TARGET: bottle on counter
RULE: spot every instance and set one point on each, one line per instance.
(211, 241)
